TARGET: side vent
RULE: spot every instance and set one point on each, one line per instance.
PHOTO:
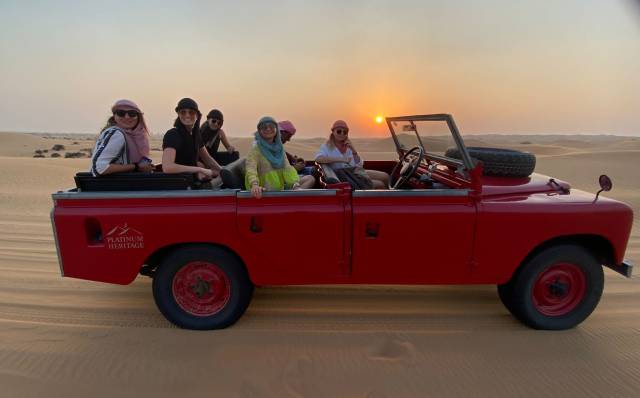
(93, 232)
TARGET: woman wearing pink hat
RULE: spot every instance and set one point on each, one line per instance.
(123, 144)
(340, 153)
(287, 130)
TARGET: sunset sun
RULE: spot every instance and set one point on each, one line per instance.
(379, 119)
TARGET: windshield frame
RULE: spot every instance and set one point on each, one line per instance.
(441, 117)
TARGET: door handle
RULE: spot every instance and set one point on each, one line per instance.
(256, 225)
(371, 230)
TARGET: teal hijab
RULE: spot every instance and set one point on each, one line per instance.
(273, 151)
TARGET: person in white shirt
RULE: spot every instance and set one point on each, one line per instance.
(123, 144)
(339, 152)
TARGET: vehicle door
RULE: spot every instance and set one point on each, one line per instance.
(412, 236)
(296, 237)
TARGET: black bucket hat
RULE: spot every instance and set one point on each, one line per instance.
(187, 103)
(215, 114)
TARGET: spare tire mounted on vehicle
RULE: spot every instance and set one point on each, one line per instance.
(500, 162)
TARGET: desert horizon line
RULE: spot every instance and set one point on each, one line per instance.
(357, 136)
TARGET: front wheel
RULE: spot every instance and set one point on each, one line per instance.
(556, 289)
(202, 287)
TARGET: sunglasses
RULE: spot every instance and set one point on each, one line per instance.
(216, 121)
(122, 113)
(267, 126)
(187, 112)
(341, 131)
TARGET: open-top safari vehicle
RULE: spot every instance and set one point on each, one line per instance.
(447, 218)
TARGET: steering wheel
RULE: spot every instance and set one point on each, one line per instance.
(406, 167)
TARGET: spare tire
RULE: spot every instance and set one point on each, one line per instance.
(500, 162)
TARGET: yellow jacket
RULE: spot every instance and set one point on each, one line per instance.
(260, 171)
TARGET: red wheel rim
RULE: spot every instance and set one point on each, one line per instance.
(201, 288)
(559, 289)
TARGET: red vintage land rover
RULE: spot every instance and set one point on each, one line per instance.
(452, 215)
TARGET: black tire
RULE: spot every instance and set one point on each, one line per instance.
(500, 162)
(504, 292)
(219, 297)
(578, 281)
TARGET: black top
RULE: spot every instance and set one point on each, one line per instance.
(210, 138)
(185, 144)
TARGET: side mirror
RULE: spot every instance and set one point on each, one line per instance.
(605, 185)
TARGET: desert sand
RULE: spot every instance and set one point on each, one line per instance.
(62, 337)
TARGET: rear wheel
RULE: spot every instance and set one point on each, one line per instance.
(556, 289)
(504, 292)
(202, 287)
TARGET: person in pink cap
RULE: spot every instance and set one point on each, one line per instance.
(287, 130)
(123, 144)
(339, 152)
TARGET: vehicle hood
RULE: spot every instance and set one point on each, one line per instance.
(536, 183)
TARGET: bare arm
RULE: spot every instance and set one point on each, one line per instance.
(118, 168)
(225, 141)
(329, 159)
(169, 164)
(323, 157)
(123, 168)
(208, 160)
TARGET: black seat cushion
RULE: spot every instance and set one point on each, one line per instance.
(225, 158)
(133, 182)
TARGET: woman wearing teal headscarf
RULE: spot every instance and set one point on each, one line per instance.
(267, 166)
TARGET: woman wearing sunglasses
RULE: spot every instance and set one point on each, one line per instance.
(267, 165)
(339, 152)
(123, 144)
(182, 146)
(213, 134)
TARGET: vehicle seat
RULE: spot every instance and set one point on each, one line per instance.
(134, 181)
(233, 174)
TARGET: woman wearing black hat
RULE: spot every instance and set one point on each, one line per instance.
(213, 134)
(182, 146)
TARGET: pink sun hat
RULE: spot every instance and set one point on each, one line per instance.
(339, 124)
(126, 105)
(287, 126)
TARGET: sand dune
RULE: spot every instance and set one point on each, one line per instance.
(65, 337)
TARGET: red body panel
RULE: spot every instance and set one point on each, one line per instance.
(408, 239)
(295, 239)
(333, 236)
(159, 222)
(510, 227)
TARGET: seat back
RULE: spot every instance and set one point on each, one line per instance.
(233, 174)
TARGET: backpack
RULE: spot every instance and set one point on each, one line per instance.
(356, 176)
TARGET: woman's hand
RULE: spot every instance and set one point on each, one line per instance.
(256, 191)
(204, 174)
(231, 149)
(299, 164)
(146, 167)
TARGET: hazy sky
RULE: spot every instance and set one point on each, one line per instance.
(499, 66)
